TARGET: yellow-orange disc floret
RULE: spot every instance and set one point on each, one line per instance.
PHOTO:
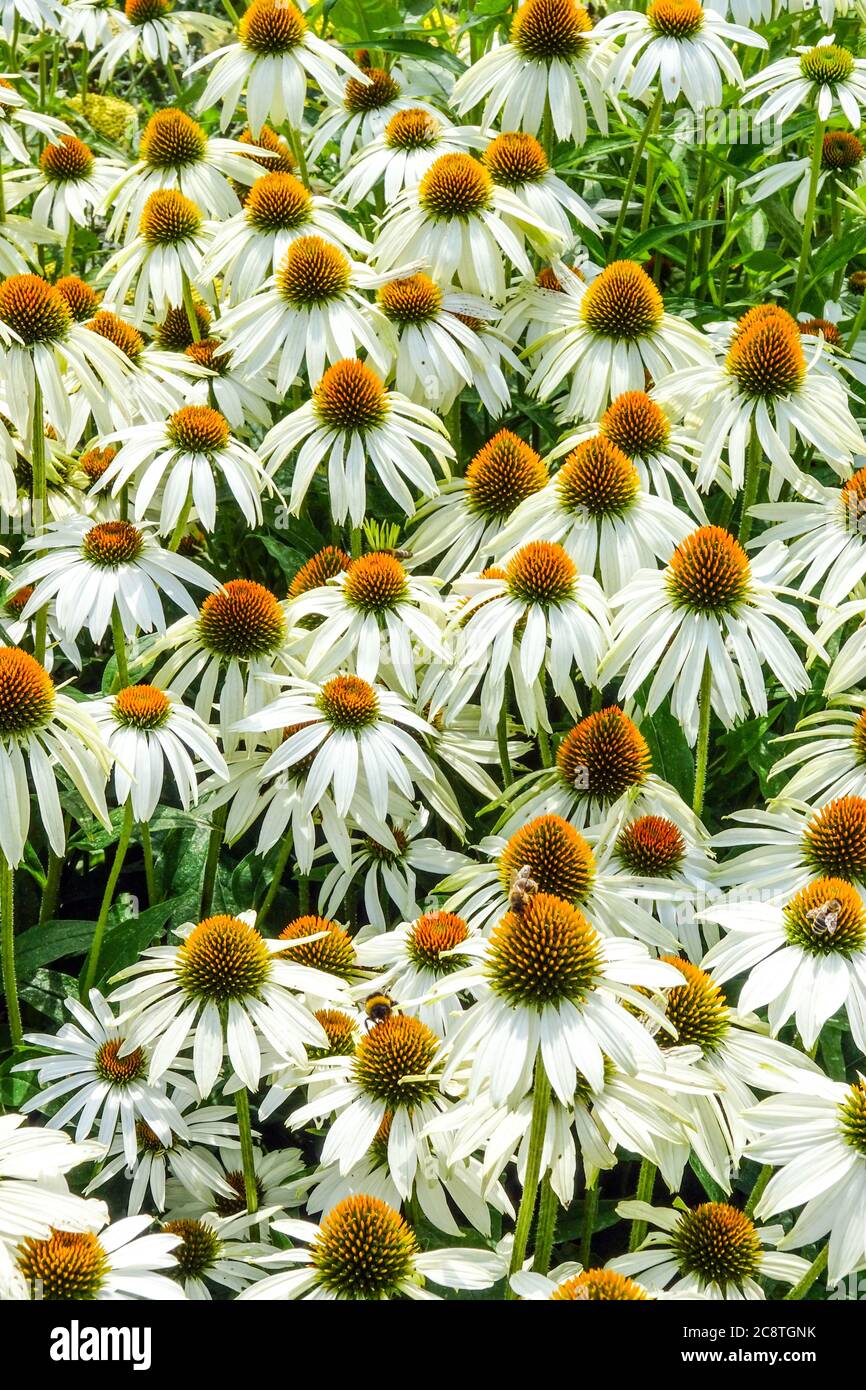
(333, 952)
(26, 694)
(603, 756)
(242, 620)
(559, 859)
(363, 1250)
(546, 954)
(622, 302)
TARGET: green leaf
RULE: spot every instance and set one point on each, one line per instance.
(53, 941)
(672, 758)
(48, 991)
(710, 1186)
(656, 236)
(125, 940)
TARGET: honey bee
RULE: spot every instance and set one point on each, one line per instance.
(825, 917)
(523, 887)
(378, 1008)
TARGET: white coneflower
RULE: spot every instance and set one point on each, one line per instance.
(363, 739)
(33, 1192)
(70, 184)
(515, 160)
(252, 245)
(816, 1138)
(681, 43)
(561, 861)
(358, 111)
(603, 338)
(214, 1182)
(350, 423)
(765, 390)
(89, 22)
(826, 76)
(713, 1251)
(597, 510)
(146, 729)
(804, 958)
(842, 157)
(158, 381)
(462, 524)
(176, 463)
(43, 731)
(830, 761)
(175, 152)
(312, 313)
(664, 453)
(551, 60)
(537, 616)
(400, 157)
(364, 1250)
(231, 647)
(456, 220)
(44, 350)
(87, 568)
(409, 961)
(163, 259)
(151, 29)
(238, 396)
(826, 544)
(84, 1060)
(224, 988)
(273, 57)
(389, 872)
(712, 617)
(787, 846)
(15, 110)
(549, 989)
(118, 1262)
(155, 1158)
(374, 613)
(441, 341)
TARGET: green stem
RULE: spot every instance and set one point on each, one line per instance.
(540, 1103)
(700, 189)
(189, 305)
(858, 325)
(757, 1191)
(590, 1211)
(809, 217)
(649, 125)
(544, 747)
(69, 248)
(815, 1270)
(297, 145)
(180, 524)
(242, 1105)
(754, 464)
(231, 12)
(7, 940)
(703, 747)
(39, 507)
(645, 1183)
(149, 867)
(218, 826)
(121, 680)
(355, 542)
(502, 740)
(547, 131)
(50, 892)
(545, 1228)
(276, 880)
(107, 898)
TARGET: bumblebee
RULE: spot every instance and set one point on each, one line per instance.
(522, 889)
(378, 1008)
